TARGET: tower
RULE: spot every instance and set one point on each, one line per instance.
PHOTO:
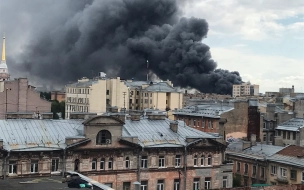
(4, 75)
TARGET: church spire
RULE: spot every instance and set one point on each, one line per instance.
(3, 49)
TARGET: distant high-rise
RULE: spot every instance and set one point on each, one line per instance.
(245, 89)
(4, 75)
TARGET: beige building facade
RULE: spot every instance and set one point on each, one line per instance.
(100, 94)
(245, 89)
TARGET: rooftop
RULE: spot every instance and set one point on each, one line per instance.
(160, 87)
(293, 124)
(291, 155)
(258, 151)
(206, 110)
(152, 133)
(35, 134)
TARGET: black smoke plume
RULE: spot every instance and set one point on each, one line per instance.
(118, 36)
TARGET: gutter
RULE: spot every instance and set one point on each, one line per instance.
(4, 168)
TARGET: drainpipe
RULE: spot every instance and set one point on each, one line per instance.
(63, 162)
(185, 168)
(5, 165)
(138, 168)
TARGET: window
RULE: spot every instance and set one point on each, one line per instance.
(160, 185)
(55, 163)
(108, 92)
(225, 180)
(127, 162)
(194, 123)
(150, 94)
(203, 124)
(198, 124)
(254, 169)
(177, 160)
(210, 126)
(150, 101)
(126, 186)
(203, 160)
(109, 184)
(103, 137)
(283, 172)
(262, 172)
(195, 160)
(144, 161)
(94, 164)
(288, 135)
(208, 183)
(238, 166)
(146, 101)
(264, 137)
(110, 164)
(12, 167)
(279, 133)
(161, 161)
(209, 160)
(246, 169)
(144, 185)
(293, 174)
(284, 134)
(102, 164)
(302, 176)
(196, 184)
(136, 101)
(176, 184)
(294, 135)
(264, 126)
(273, 170)
(34, 166)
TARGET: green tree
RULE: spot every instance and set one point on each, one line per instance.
(62, 109)
(45, 95)
(55, 108)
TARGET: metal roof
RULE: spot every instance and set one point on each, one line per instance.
(136, 84)
(205, 110)
(160, 87)
(37, 135)
(157, 133)
(258, 151)
(293, 124)
(82, 84)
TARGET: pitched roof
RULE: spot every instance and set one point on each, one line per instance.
(290, 155)
(293, 124)
(31, 134)
(157, 133)
(258, 151)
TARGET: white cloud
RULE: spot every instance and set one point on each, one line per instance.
(252, 20)
(270, 72)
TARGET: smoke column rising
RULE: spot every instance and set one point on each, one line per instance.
(118, 36)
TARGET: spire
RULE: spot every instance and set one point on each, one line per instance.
(3, 49)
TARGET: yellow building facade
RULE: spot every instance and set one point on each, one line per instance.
(99, 94)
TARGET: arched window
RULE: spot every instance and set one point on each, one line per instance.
(104, 137)
(202, 160)
(102, 164)
(209, 160)
(110, 164)
(94, 164)
(127, 162)
(195, 160)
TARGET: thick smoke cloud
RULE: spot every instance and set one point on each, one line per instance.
(118, 36)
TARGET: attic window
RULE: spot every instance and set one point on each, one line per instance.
(104, 137)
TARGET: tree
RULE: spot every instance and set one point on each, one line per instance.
(62, 109)
(45, 95)
(237, 180)
(55, 108)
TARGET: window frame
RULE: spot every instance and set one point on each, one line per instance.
(103, 137)
(195, 161)
(203, 160)
(178, 160)
(94, 164)
(161, 184)
(34, 166)
(273, 170)
(110, 163)
(102, 163)
(144, 162)
(283, 170)
(12, 167)
(295, 174)
(225, 181)
(196, 183)
(209, 160)
(208, 182)
(161, 162)
(127, 162)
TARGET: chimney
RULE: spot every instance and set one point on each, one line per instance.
(157, 116)
(1, 143)
(253, 139)
(174, 126)
(246, 144)
(135, 117)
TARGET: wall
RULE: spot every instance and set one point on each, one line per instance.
(21, 98)
(97, 97)
(176, 100)
(237, 120)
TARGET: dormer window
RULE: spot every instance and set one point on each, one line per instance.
(104, 137)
